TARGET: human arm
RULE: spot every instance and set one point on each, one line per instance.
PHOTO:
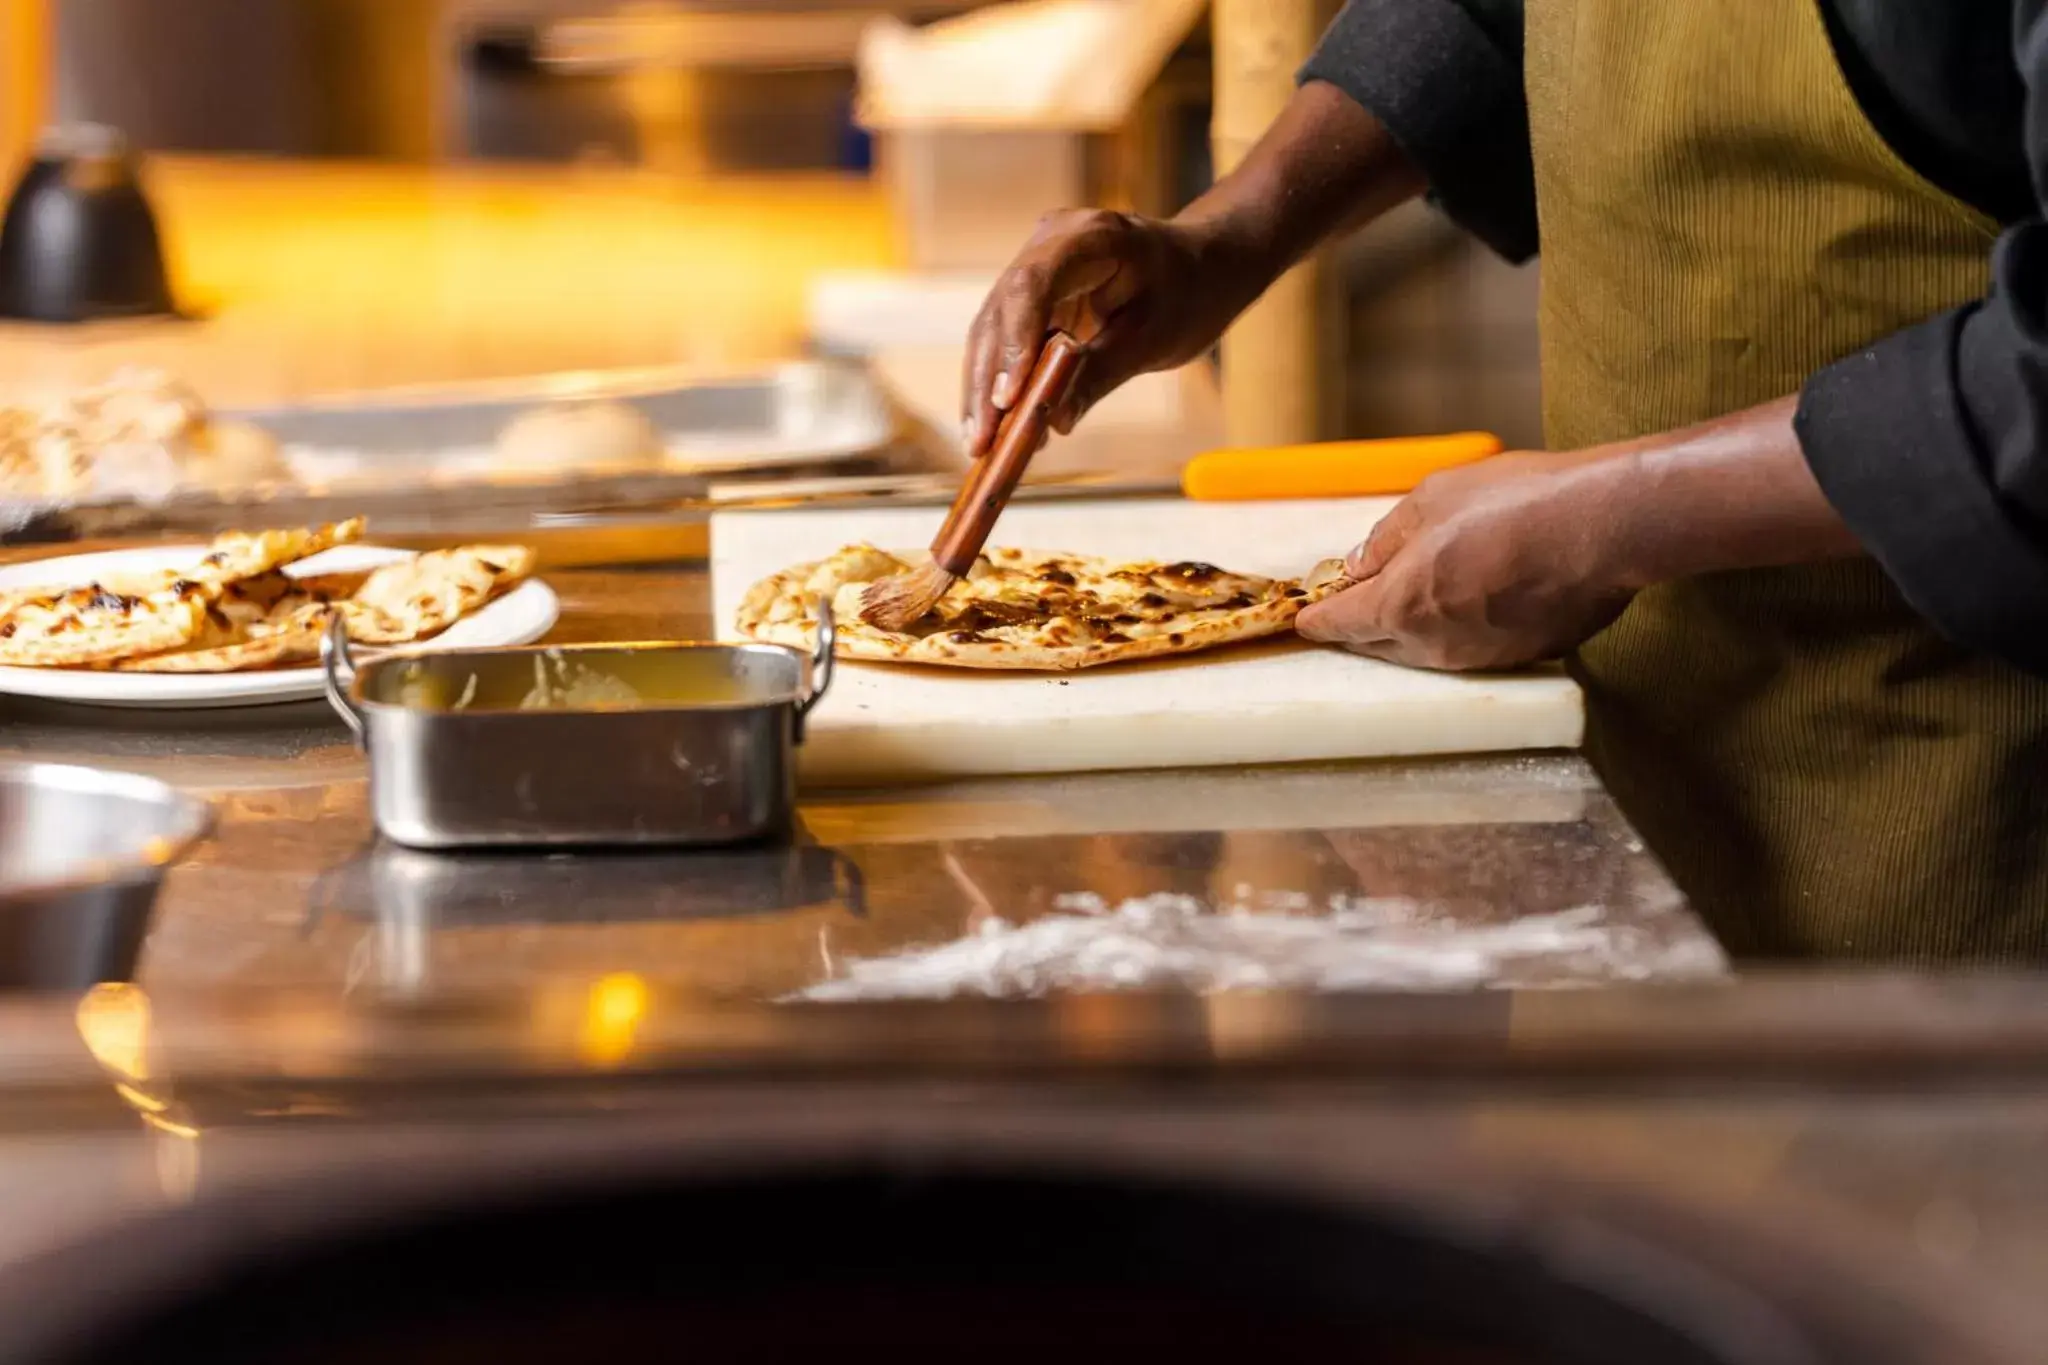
(1930, 446)
(1399, 96)
(1523, 556)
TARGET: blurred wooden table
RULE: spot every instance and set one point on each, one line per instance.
(322, 278)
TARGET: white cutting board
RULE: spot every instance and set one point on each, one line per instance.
(1274, 702)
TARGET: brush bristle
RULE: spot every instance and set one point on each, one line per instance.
(893, 603)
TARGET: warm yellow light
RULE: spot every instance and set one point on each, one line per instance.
(176, 1128)
(611, 1018)
(113, 1019)
(145, 1103)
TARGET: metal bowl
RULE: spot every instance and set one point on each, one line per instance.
(83, 853)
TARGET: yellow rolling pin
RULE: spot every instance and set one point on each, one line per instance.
(1331, 469)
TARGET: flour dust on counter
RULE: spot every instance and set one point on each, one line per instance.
(1349, 943)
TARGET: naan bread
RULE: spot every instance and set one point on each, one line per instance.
(291, 637)
(93, 624)
(1035, 610)
(142, 433)
(230, 455)
(239, 555)
(90, 625)
(409, 601)
(261, 622)
(603, 432)
(114, 435)
(238, 607)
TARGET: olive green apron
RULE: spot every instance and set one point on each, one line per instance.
(1820, 771)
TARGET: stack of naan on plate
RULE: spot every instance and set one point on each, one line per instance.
(239, 607)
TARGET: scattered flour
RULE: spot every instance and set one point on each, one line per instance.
(1175, 942)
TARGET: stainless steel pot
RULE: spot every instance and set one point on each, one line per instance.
(629, 744)
(83, 853)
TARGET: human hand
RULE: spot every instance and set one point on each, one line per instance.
(1506, 561)
(1141, 294)
(1524, 556)
(1147, 294)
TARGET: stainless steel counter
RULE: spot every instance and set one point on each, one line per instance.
(1879, 1135)
(1484, 871)
(323, 1023)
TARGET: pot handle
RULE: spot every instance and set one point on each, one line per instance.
(338, 671)
(821, 658)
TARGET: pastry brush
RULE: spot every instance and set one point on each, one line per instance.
(893, 603)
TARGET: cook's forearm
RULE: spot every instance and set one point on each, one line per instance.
(1325, 166)
(1733, 493)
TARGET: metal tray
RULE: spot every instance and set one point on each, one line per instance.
(798, 414)
(420, 460)
(676, 745)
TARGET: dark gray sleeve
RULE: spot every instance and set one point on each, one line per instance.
(1933, 443)
(1445, 77)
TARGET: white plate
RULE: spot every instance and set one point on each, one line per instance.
(519, 617)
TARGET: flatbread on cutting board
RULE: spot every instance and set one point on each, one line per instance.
(1034, 610)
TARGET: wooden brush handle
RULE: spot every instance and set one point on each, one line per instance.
(994, 477)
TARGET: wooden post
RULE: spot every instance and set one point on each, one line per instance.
(1282, 359)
